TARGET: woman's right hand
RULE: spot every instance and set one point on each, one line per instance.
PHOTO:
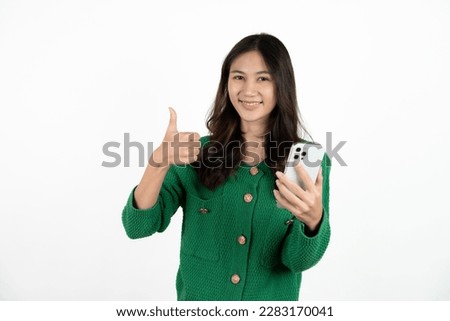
(178, 148)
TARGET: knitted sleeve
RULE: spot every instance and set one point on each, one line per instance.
(300, 251)
(140, 223)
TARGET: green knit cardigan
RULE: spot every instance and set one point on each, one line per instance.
(236, 244)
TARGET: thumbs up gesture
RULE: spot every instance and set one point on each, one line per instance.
(178, 148)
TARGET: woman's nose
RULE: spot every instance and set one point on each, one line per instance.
(250, 88)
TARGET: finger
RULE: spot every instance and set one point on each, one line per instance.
(280, 199)
(192, 158)
(181, 143)
(283, 203)
(290, 197)
(319, 180)
(189, 137)
(293, 186)
(195, 137)
(301, 172)
(172, 128)
(187, 157)
(188, 152)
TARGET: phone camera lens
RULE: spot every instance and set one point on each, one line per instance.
(298, 149)
(304, 153)
(295, 156)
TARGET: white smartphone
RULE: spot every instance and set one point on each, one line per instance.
(310, 155)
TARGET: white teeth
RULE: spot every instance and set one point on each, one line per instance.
(250, 103)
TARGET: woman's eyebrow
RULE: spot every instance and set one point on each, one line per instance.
(258, 72)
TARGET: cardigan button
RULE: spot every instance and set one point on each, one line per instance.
(235, 278)
(242, 239)
(248, 198)
(289, 222)
(203, 210)
(254, 170)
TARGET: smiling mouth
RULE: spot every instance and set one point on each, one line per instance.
(250, 103)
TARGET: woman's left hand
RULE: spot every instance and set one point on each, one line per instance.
(305, 204)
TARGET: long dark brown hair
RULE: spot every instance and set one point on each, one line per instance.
(221, 156)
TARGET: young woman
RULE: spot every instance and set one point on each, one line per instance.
(236, 243)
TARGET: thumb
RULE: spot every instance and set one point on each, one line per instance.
(173, 121)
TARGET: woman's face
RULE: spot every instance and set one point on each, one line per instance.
(251, 89)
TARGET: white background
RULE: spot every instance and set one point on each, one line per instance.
(75, 75)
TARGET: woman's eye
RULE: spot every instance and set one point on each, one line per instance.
(264, 79)
(238, 77)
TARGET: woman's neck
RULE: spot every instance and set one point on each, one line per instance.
(254, 138)
(254, 148)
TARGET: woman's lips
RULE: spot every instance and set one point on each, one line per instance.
(250, 103)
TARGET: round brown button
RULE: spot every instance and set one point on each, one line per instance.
(203, 210)
(254, 170)
(248, 198)
(241, 239)
(235, 278)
